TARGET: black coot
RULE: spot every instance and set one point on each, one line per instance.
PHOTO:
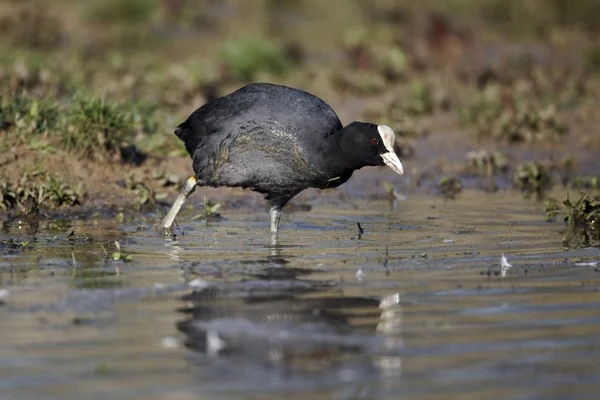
(278, 141)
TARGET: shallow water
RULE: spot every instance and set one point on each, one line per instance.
(414, 307)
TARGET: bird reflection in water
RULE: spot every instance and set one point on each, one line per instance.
(279, 317)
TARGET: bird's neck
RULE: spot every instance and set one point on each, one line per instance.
(346, 153)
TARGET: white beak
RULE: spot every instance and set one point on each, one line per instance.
(390, 158)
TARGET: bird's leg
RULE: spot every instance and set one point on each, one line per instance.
(188, 188)
(275, 214)
(277, 201)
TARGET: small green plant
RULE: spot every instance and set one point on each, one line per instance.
(519, 118)
(60, 193)
(164, 179)
(585, 182)
(393, 192)
(449, 187)
(393, 62)
(372, 67)
(532, 178)
(482, 106)
(8, 197)
(364, 51)
(582, 218)
(35, 190)
(244, 59)
(94, 125)
(210, 210)
(551, 208)
(118, 255)
(420, 99)
(488, 162)
(12, 108)
(143, 192)
(41, 116)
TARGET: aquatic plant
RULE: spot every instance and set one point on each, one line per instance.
(210, 208)
(488, 162)
(585, 182)
(449, 187)
(209, 211)
(582, 218)
(118, 255)
(532, 178)
(518, 119)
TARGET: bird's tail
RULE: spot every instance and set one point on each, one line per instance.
(187, 136)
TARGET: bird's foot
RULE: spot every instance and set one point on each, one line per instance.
(167, 233)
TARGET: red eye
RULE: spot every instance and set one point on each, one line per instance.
(375, 140)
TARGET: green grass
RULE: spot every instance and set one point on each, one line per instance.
(94, 125)
(27, 115)
(244, 59)
(38, 190)
(84, 124)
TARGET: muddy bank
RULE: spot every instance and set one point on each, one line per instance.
(472, 106)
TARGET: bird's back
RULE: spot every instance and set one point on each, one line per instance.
(264, 136)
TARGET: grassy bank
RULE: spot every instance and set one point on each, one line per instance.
(106, 82)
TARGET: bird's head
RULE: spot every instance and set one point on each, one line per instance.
(371, 144)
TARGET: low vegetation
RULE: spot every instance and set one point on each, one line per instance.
(143, 194)
(38, 190)
(582, 218)
(109, 80)
(84, 124)
(511, 119)
(244, 60)
(450, 187)
(532, 178)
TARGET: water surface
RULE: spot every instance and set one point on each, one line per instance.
(413, 307)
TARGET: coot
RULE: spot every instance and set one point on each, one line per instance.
(277, 141)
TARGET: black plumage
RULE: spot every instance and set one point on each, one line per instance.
(278, 141)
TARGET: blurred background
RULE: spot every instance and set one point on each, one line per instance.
(509, 71)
